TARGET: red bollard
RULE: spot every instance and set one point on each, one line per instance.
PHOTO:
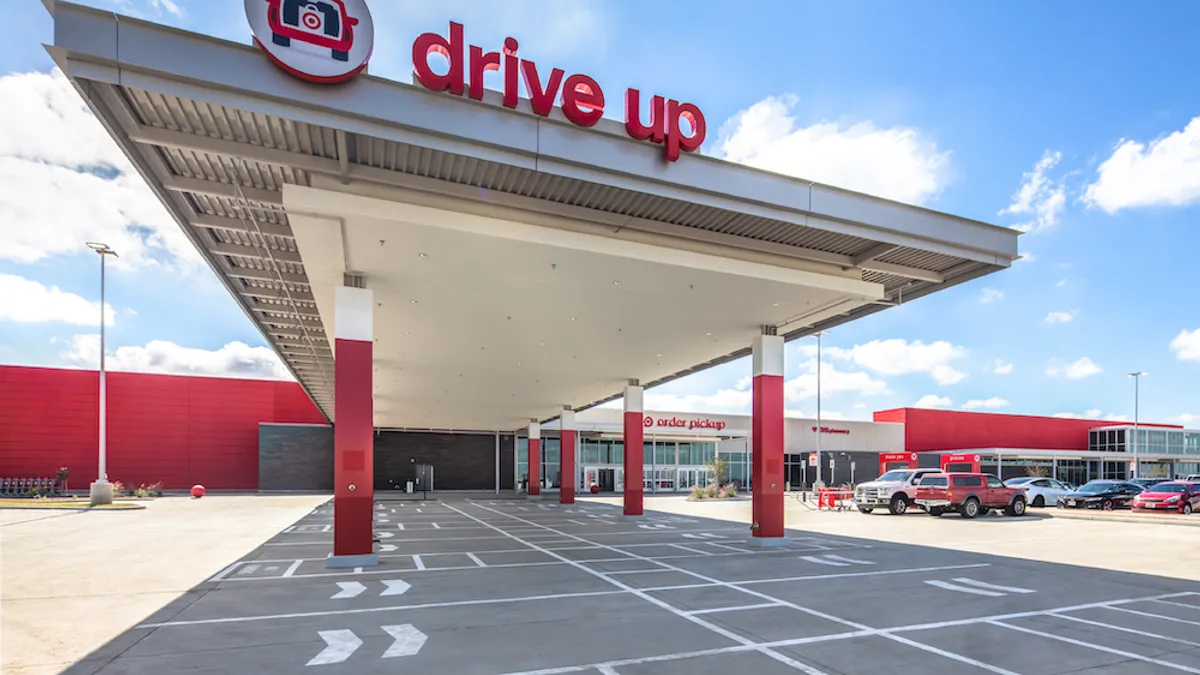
(198, 491)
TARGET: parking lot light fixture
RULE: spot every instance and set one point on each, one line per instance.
(1137, 378)
(101, 491)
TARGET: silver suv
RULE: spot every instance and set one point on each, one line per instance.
(895, 490)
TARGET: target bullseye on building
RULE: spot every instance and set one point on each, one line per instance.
(443, 256)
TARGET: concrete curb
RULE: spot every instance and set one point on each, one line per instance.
(1178, 520)
(71, 507)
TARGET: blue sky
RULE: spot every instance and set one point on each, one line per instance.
(1068, 119)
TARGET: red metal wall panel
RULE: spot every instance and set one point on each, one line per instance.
(940, 430)
(175, 429)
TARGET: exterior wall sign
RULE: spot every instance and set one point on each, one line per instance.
(677, 423)
(581, 97)
(322, 41)
(832, 430)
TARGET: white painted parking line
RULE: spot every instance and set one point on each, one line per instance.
(738, 608)
(1099, 648)
(950, 655)
(777, 656)
(963, 589)
(436, 526)
(852, 561)
(1179, 604)
(227, 571)
(1152, 615)
(657, 569)
(607, 670)
(292, 570)
(822, 561)
(1123, 629)
(374, 610)
(475, 559)
(992, 587)
(681, 547)
(418, 562)
(399, 526)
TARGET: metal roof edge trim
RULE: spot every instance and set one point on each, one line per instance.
(511, 137)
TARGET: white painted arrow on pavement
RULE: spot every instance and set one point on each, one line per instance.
(382, 520)
(387, 548)
(395, 587)
(384, 535)
(340, 645)
(408, 640)
(350, 589)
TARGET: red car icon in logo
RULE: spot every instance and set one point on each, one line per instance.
(323, 23)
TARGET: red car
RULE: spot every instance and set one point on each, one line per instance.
(1181, 496)
(970, 494)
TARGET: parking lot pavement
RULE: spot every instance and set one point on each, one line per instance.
(513, 587)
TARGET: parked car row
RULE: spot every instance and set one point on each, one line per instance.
(973, 494)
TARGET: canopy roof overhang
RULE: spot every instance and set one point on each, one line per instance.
(284, 186)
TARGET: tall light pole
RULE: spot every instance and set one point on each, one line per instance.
(1137, 379)
(818, 336)
(101, 490)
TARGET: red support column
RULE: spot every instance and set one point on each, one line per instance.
(633, 461)
(353, 430)
(766, 429)
(566, 458)
(535, 460)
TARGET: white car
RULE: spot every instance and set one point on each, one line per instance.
(894, 490)
(1039, 491)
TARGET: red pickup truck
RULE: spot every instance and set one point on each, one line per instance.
(970, 494)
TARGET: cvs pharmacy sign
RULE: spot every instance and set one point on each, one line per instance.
(582, 99)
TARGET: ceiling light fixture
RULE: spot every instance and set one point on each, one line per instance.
(423, 255)
(616, 283)
(414, 302)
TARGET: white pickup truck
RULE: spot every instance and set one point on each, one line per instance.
(894, 490)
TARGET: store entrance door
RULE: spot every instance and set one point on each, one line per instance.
(607, 480)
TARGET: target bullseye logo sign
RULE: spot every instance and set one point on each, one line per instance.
(322, 41)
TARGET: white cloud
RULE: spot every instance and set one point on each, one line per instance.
(64, 182)
(897, 163)
(1185, 419)
(1112, 417)
(145, 9)
(1061, 283)
(722, 401)
(1186, 345)
(27, 301)
(235, 359)
(900, 357)
(1039, 196)
(1162, 172)
(1090, 414)
(986, 403)
(999, 367)
(833, 381)
(933, 401)
(744, 383)
(1062, 317)
(1027, 257)
(1077, 370)
(825, 414)
(990, 295)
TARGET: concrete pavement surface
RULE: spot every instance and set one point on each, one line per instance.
(72, 581)
(489, 587)
(1121, 541)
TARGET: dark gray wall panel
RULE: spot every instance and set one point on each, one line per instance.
(295, 457)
